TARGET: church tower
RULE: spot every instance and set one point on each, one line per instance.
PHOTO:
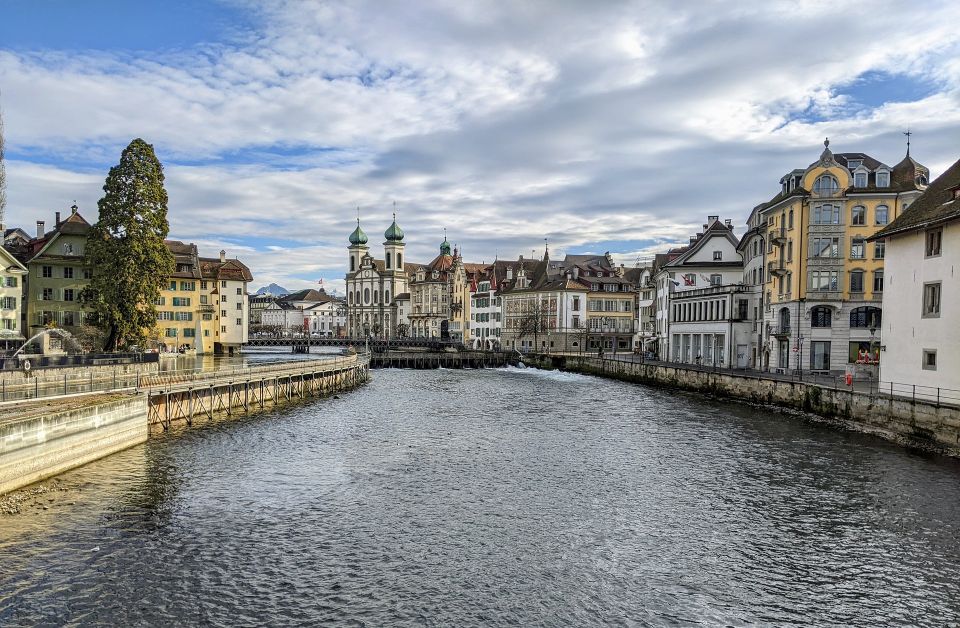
(358, 247)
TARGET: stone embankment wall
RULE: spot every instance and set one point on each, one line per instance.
(79, 373)
(913, 423)
(42, 443)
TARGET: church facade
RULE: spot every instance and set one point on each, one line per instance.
(374, 285)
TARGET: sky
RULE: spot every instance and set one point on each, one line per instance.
(596, 126)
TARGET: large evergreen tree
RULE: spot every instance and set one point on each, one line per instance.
(125, 248)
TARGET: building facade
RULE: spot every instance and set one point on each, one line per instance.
(920, 333)
(824, 285)
(373, 284)
(12, 275)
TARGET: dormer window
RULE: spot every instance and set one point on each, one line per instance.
(860, 179)
(826, 185)
(854, 163)
(883, 179)
(717, 256)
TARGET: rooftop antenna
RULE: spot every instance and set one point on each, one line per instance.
(908, 133)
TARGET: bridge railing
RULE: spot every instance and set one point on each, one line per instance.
(270, 369)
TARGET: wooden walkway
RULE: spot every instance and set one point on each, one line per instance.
(186, 396)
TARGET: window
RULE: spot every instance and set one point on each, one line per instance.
(931, 299)
(820, 356)
(790, 220)
(857, 248)
(68, 272)
(239, 306)
(824, 280)
(826, 214)
(860, 179)
(181, 301)
(856, 281)
(173, 286)
(859, 352)
(821, 316)
(188, 286)
(882, 214)
(239, 322)
(716, 280)
(389, 259)
(858, 215)
(824, 247)
(223, 284)
(223, 329)
(690, 279)
(576, 305)
(11, 282)
(47, 294)
(223, 313)
(204, 300)
(68, 294)
(883, 179)
(717, 256)
(47, 271)
(203, 285)
(67, 249)
(865, 317)
(189, 333)
(239, 292)
(934, 242)
(826, 185)
(8, 303)
(878, 281)
(88, 273)
(930, 359)
(879, 249)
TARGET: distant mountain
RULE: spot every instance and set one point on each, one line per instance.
(274, 289)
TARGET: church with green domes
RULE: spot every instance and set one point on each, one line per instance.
(377, 293)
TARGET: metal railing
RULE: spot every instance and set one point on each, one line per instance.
(271, 369)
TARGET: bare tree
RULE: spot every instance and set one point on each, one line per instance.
(535, 321)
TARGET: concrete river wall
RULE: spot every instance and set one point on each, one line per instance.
(909, 422)
(42, 441)
(41, 438)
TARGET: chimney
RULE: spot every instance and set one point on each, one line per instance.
(712, 219)
(40, 229)
(58, 219)
(693, 239)
(223, 255)
(576, 272)
(728, 223)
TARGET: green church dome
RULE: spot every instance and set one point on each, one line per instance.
(394, 233)
(444, 246)
(358, 236)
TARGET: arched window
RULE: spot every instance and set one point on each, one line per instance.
(790, 219)
(882, 214)
(356, 297)
(784, 319)
(388, 260)
(366, 296)
(858, 215)
(826, 185)
(376, 293)
(821, 316)
(386, 296)
(351, 298)
(865, 316)
(400, 261)
(353, 263)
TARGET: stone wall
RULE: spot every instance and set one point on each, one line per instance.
(77, 372)
(47, 443)
(912, 423)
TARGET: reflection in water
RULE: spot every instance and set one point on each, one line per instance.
(490, 498)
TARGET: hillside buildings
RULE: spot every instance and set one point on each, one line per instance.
(920, 338)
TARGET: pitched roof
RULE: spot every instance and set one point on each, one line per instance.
(308, 294)
(935, 205)
(230, 270)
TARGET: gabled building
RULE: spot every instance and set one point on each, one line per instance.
(823, 283)
(921, 338)
(437, 292)
(227, 280)
(57, 274)
(12, 275)
(708, 304)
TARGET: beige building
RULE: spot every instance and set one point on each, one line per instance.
(374, 284)
(12, 275)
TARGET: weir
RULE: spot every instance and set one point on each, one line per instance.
(184, 397)
(42, 438)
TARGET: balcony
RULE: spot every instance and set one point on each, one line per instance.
(777, 270)
(827, 192)
(778, 236)
(780, 332)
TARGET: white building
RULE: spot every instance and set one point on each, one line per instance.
(295, 312)
(486, 319)
(12, 273)
(921, 338)
(708, 307)
(373, 284)
(646, 310)
(228, 279)
(327, 319)
(751, 249)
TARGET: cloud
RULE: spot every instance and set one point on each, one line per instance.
(589, 124)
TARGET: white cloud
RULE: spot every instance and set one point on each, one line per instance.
(585, 123)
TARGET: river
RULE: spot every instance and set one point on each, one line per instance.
(493, 498)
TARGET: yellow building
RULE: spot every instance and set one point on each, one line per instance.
(824, 283)
(203, 306)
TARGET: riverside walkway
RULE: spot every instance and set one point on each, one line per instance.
(182, 397)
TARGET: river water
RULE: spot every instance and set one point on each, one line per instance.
(496, 497)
